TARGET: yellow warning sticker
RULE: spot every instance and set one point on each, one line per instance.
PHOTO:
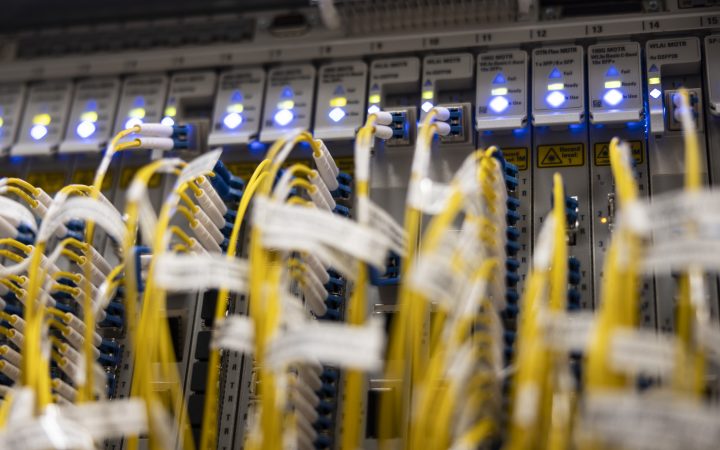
(128, 173)
(517, 156)
(601, 152)
(50, 182)
(243, 170)
(560, 155)
(346, 165)
(87, 176)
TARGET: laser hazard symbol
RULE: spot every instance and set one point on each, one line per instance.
(560, 155)
(601, 151)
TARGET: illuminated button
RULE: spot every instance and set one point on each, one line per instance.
(555, 99)
(374, 98)
(2, 122)
(286, 104)
(373, 109)
(284, 117)
(85, 129)
(556, 86)
(654, 80)
(43, 119)
(89, 116)
(428, 95)
(233, 120)
(235, 108)
(655, 93)
(499, 104)
(38, 132)
(427, 106)
(613, 84)
(336, 114)
(171, 111)
(499, 91)
(613, 97)
(167, 121)
(137, 113)
(338, 102)
(612, 72)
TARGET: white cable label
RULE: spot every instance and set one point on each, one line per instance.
(110, 419)
(526, 404)
(330, 257)
(202, 165)
(569, 331)
(544, 244)
(354, 347)
(659, 421)
(636, 351)
(235, 333)
(435, 277)
(85, 208)
(77, 426)
(178, 272)
(682, 253)
(708, 336)
(309, 225)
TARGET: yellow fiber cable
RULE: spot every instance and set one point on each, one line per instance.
(15, 290)
(74, 257)
(261, 307)
(191, 206)
(32, 190)
(14, 257)
(177, 231)
(619, 298)
(16, 244)
(135, 331)
(23, 195)
(208, 439)
(690, 365)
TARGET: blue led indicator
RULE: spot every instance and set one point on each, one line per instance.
(653, 68)
(236, 97)
(139, 101)
(287, 92)
(612, 72)
(555, 73)
(499, 79)
(257, 147)
(339, 91)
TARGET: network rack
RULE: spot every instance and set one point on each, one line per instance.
(550, 83)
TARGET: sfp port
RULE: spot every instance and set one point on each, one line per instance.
(403, 127)
(459, 121)
(673, 103)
